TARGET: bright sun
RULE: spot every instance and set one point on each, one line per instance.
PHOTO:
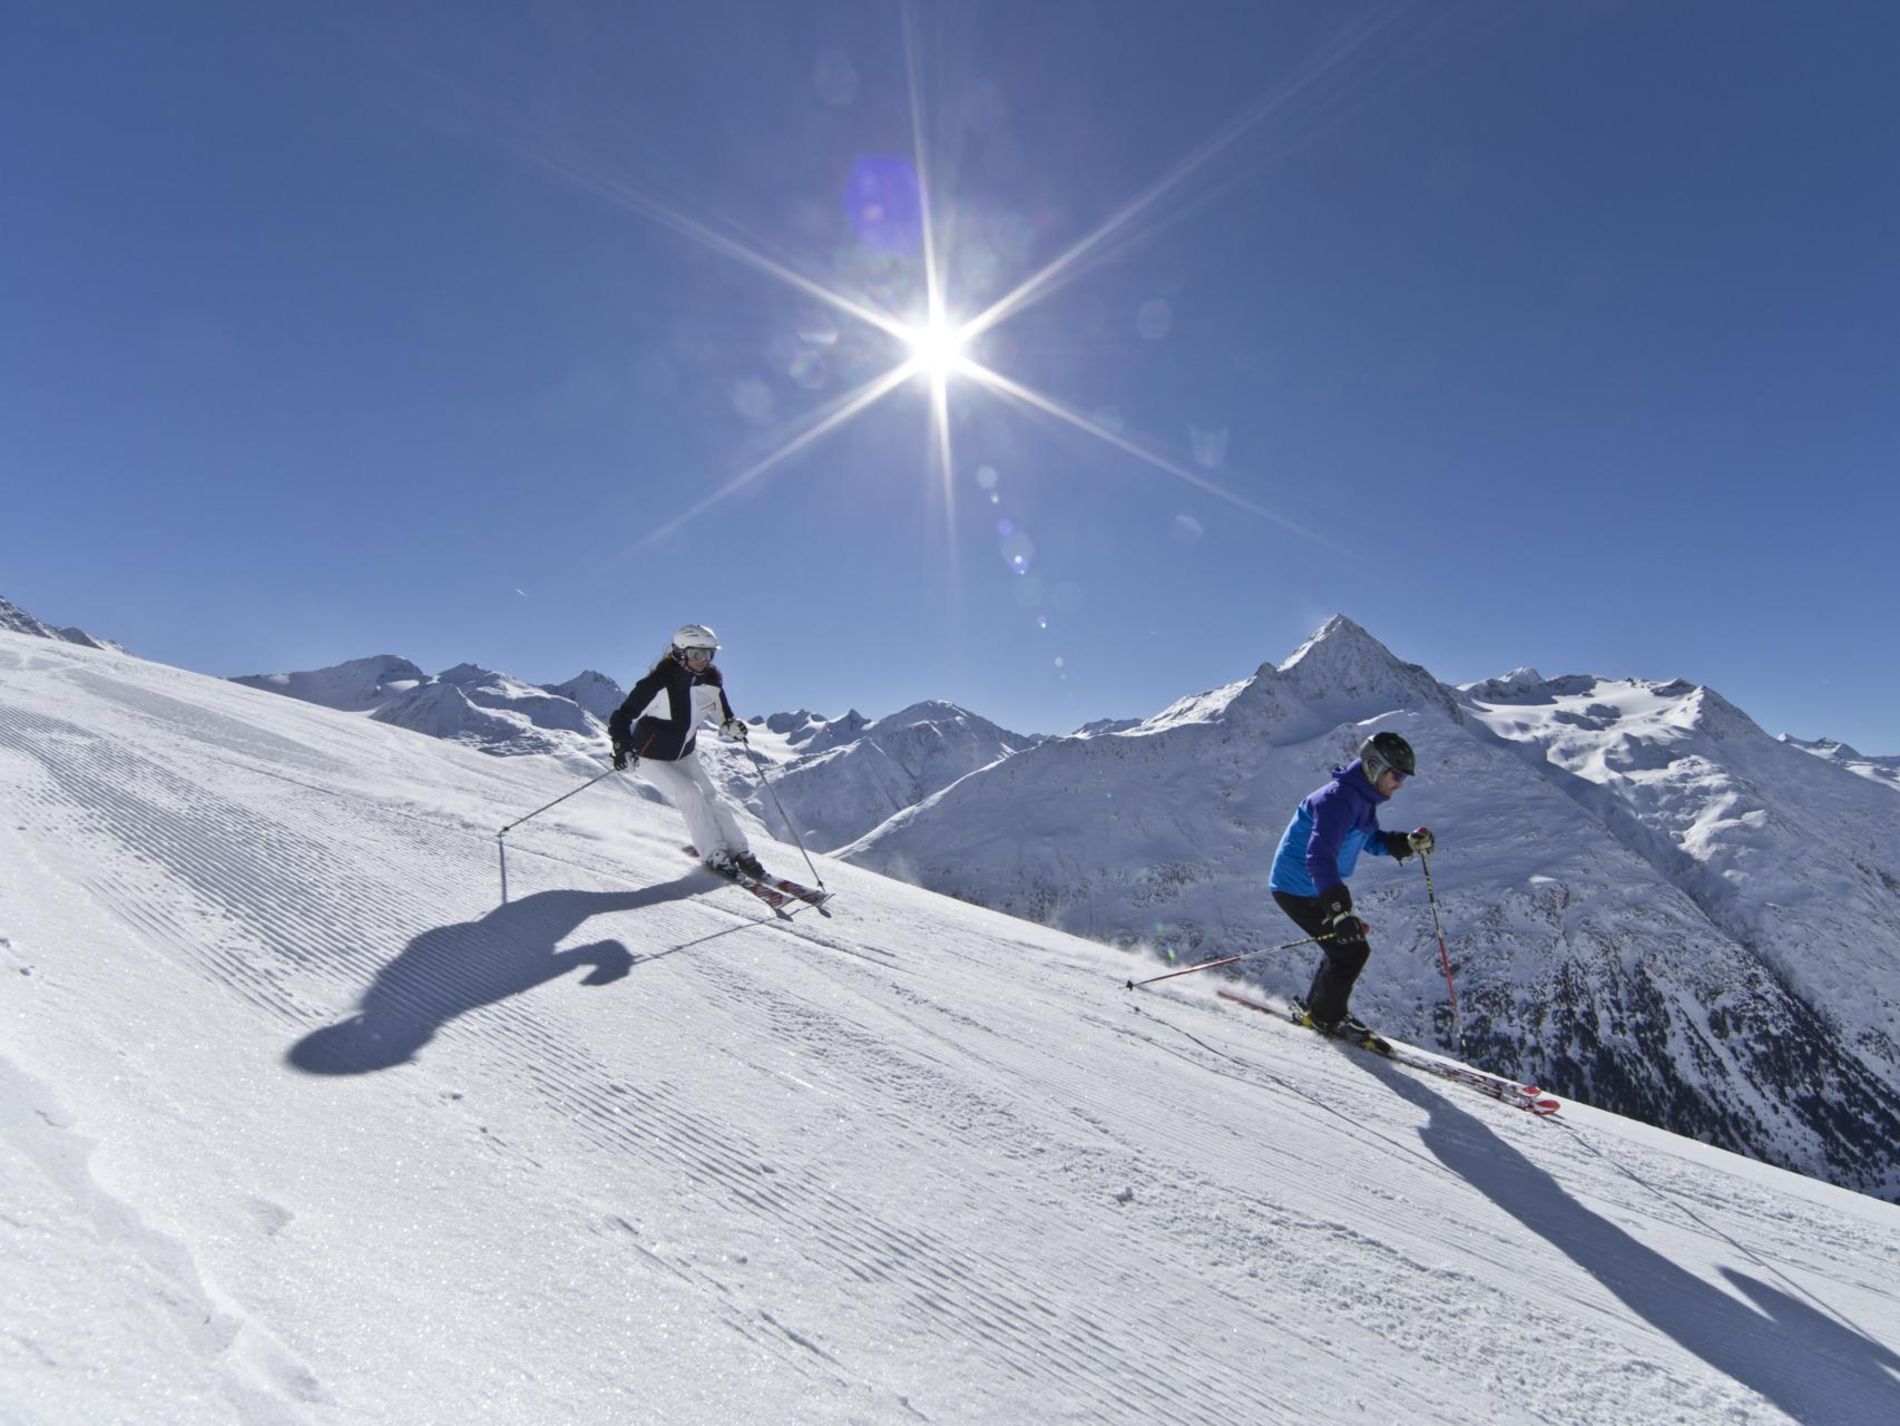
(936, 349)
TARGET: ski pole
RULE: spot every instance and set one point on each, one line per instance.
(501, 844)
(557, 801)
(766, 782)
(1229, 960)
(1444, 956)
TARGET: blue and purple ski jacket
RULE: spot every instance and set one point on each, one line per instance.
(1321, 844)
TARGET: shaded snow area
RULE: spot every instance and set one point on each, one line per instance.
(300, 1123)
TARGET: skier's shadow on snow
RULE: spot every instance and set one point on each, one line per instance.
(1811, 1365)
(450, 970)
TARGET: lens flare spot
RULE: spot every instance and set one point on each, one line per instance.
(883, 201)
(807, 369)
(835, 78)
(1210, 446)
(817, 330)
(752, 399)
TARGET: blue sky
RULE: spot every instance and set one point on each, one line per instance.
(1557, 334)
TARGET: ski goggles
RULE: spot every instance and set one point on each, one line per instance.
(703, 655)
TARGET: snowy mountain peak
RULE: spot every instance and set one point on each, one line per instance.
(796, 728)
(466, 703)
(1709, 711)
(1103, 727)
(16, 620)
(357, 686)
(925, 711)
(1339, 675)
(1507, 687)
(1884, 770)
(1339, 638)
(833, 733)
(935, 711)
(855, 773)
(1830, 748)
(594, 691)
(1342, 674)
(1343, 658)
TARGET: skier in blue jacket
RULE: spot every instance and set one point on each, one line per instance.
(1318, 852)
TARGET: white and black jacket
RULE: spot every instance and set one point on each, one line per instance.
(670, 702)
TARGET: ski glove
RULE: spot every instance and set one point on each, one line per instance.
(1336, 915)
(1423, 841)
(625, 757)
(733, 731)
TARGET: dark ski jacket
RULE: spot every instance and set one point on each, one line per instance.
(1321, 845)
(670, 702)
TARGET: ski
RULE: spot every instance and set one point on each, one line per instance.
(1527, 1097)
(1365, 1037)
(811, 896)
(771, 896)
(774, 891)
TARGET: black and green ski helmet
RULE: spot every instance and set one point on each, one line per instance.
(1386, 750)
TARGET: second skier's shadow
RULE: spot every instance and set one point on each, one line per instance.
(1809, 1364)
(450, 970)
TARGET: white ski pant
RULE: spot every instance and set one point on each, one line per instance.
(709, 822)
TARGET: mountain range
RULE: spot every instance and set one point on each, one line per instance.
(837, 778)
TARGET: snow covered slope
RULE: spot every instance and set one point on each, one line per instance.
(1671, 939)
(298, 1123)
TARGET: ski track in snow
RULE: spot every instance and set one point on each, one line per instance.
(1231, 1239)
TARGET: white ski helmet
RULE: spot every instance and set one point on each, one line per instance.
(694, 636)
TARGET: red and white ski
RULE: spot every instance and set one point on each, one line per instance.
(774, 891)
(1527, 1097)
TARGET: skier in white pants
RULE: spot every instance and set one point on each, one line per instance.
(680, 692)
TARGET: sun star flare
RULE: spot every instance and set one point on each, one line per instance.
(936, 348)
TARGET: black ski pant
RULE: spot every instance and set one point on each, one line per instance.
(1345, 957)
